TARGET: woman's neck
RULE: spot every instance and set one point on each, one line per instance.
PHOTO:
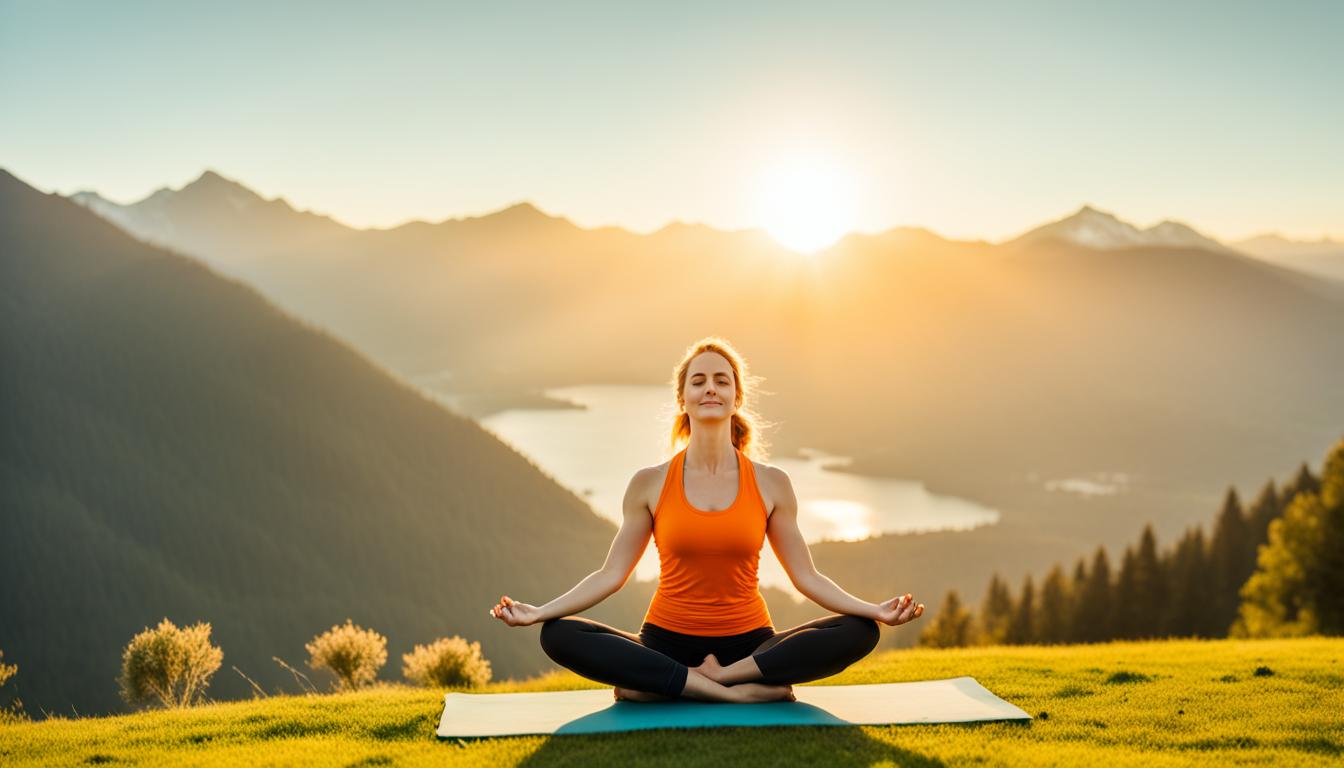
(711, 449)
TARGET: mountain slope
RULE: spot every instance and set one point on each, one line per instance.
(1322, 258)
(217, 219)
(172, 445)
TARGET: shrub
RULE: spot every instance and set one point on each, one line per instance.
(6, 670)
(169, 664)
(352, 653)
(446, 662)
(12, 712)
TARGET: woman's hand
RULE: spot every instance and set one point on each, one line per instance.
(899, 610)
(514, 613)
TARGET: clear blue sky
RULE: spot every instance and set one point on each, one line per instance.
(975, 119)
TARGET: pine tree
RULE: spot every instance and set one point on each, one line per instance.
(1303, 482)
(1188, 584)
(1126, 608)
(996, 612)
(1077, 589)
(1052, 624)
(1021, 630)
(1092, 611)
(1150, 589)
(1228, 554)
(951, 628)
(1298, 587)
(1266, 507)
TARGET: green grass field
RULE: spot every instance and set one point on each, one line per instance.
(1150, 704)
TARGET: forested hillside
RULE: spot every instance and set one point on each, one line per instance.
(173, 445)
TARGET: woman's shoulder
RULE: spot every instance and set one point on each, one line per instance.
(652, 476)
(647, 483)
(769, 472)
(772, 482)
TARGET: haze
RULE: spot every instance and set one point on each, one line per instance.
(1222, 115)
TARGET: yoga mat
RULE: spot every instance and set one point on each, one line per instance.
(958, 700)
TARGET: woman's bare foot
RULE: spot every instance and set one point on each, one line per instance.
(630, 694)
(752, 693)
(710, 668)
(702, 688)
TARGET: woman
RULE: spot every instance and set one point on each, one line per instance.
(707, 634)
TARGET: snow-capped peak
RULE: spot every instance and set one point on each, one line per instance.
(1104, 231)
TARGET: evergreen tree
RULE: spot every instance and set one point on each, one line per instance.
(1021, 629)
(1052, 624)
(1298, 588)
(996, 612)
(1228, 555)
(951, 628)
(1092, 612)
(1126, 607)
(1150, 596)
(1188, 583)
(1266, 507)
(1303, 482)
(1076, 590)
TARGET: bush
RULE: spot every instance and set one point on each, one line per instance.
(447, 662)
(169, 664)
(13, 711)
(6, 670)
(352, 653)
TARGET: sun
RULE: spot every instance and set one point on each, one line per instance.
(806, 203)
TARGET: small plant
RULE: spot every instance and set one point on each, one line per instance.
(170, 665)
(13, 711)
(446, 662)
(352, 653)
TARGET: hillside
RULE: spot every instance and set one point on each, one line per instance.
(1176, 703)
(1323, 258)
(173, 445)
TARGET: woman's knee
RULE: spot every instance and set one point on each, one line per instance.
(865, 631)
(554, 635)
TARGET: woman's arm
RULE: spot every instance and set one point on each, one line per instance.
(796, 558)
(626, 549)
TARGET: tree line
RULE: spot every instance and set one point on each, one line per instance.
(1275, 567)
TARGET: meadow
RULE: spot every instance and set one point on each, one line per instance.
(1155, 703)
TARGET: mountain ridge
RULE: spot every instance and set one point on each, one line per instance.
(1088, 226)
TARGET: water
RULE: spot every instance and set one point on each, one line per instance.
(594, 451)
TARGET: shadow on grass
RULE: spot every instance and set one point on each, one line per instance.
(826, 745)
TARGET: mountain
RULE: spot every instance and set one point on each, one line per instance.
(1000, 373)
(1100, 230)
(173, 445)
(1322, 258)
(1082, 343)
(218, 220)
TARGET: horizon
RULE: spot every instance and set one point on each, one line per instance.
(1120, 217)
(971, 122)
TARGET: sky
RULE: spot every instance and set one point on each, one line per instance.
(973, 119)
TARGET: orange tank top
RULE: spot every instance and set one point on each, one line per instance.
(707, 582)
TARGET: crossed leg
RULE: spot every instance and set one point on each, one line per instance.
(810, 651)
(618, 658)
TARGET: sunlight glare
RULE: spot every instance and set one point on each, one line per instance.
(806, 204)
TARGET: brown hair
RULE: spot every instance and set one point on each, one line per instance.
(746, 424)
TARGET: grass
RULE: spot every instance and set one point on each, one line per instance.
(1153, 704)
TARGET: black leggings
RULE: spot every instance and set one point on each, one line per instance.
(657, 660)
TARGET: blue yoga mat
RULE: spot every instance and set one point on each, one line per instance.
(958, 700)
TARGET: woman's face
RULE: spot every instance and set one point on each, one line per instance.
(711, 389)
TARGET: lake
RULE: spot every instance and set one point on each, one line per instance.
(594, 451)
